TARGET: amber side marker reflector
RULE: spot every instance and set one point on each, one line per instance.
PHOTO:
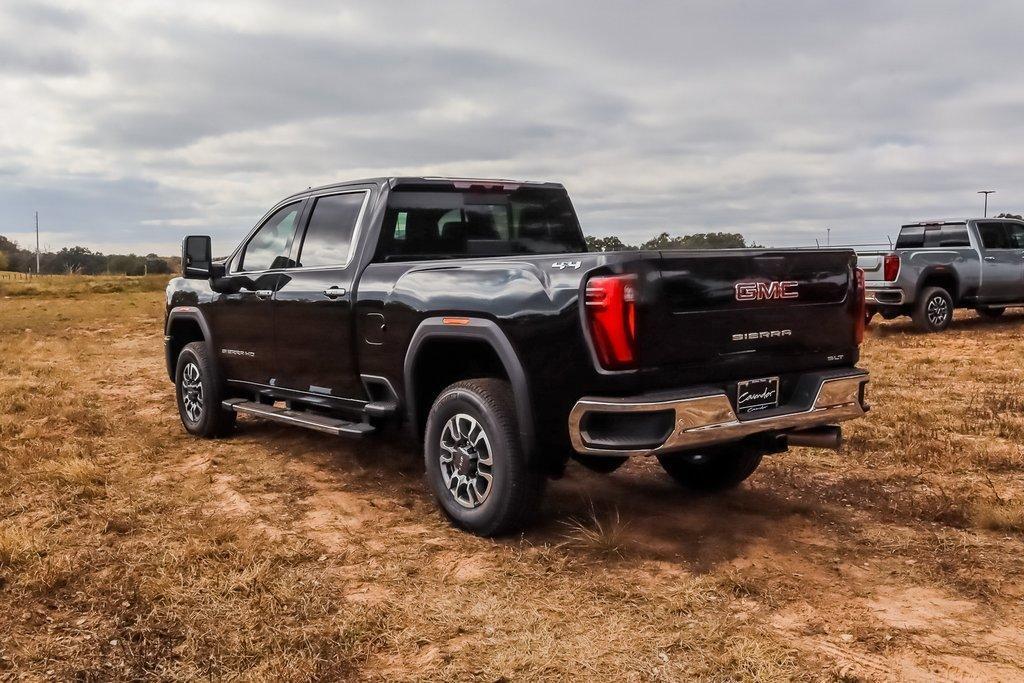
(455, 321)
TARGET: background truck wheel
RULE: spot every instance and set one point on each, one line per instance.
(199, 392)
(993, 312)
(715, 468)
(602, 464)
(934, 310)
(475, 465)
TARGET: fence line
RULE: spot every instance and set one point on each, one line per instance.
(15, 275)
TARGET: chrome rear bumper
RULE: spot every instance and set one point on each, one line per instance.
(884, 296)
(708, 417)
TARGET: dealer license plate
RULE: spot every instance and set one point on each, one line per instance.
(757, 394)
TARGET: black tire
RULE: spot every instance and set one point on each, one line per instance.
(714, 468)
(512, 497)
(602, 464)
(868, 315)
(934, 310)
(199, 398)
(993, 312)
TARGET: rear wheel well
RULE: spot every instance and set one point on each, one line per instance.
(945, 280)
(442, 362)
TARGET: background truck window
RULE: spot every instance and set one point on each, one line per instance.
(993, 235)
(911, 237)
(1014, 235)
(949, 235)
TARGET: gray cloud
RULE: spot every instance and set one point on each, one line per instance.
(41, 15)
(130, 213)
(34, 36)
(39, 62)
(134, 123)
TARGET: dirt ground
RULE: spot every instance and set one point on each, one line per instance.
(129, 550)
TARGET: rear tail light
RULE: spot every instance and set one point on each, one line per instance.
(611, 318)
(859, 291)
(891, 267)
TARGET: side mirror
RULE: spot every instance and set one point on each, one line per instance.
(196, 257)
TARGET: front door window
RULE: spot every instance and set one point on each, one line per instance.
(270, 246)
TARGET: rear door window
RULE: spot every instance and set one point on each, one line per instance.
(1014, 235)
(993, 235)
(328, 238)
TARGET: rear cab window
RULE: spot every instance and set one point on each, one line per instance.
(911, 237)
(935, 235)
(493, 221)
(948, 235)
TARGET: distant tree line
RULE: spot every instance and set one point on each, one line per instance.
(1011, 215)
(81, 261)
(700, 240)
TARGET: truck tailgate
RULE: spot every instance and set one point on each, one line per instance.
(734, 314)
(872, 263)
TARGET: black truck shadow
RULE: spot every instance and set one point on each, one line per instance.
(658, 520)
(636, 512)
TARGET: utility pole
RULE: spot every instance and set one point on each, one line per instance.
(828, 237)
(986, 193)
(37, 243)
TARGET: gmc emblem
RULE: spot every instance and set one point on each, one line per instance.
(758, 291)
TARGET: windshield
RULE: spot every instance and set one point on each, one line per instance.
(451, 223)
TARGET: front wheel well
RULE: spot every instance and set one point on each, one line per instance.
(180, 332)
(442, 362)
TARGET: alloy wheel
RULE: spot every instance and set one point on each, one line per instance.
(938, 311)
(465, 460)
(192, 392)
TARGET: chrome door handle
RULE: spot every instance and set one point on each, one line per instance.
(264, 293)
(335, 292)
(990, 258)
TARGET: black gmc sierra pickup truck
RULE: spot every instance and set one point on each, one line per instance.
(470, 312)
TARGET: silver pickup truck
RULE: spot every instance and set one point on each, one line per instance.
(937, 266)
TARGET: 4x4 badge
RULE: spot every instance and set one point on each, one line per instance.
(561, 265)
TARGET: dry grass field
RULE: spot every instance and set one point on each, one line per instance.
(131, 551)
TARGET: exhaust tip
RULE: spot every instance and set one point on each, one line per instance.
(830, 436)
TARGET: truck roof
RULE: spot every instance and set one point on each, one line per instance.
(427, 181)
(942, 221)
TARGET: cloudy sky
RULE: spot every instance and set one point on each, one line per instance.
(129, 124)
